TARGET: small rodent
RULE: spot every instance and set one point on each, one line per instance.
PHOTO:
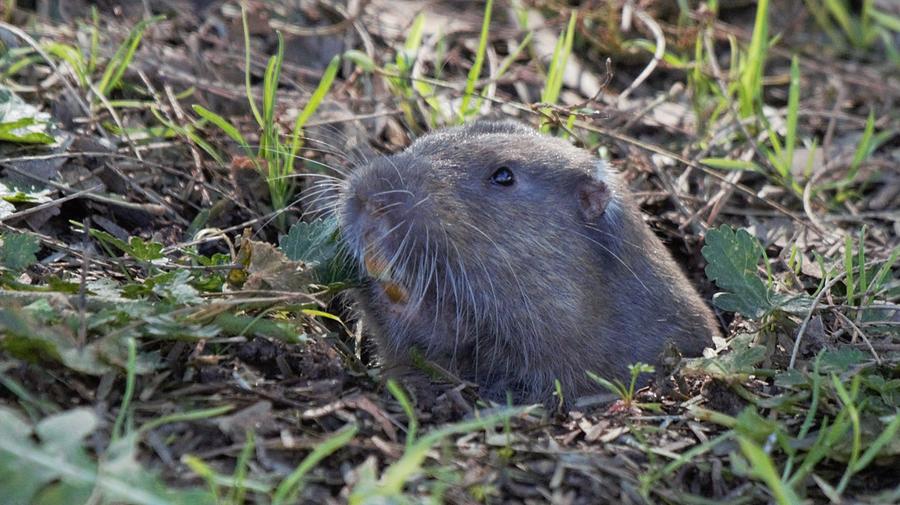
(513, 259)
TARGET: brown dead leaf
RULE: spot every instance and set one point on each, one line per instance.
(269, 269)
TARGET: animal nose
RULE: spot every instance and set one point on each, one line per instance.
(378, 202)
(370, 202)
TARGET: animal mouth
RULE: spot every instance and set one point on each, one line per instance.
(379, 269)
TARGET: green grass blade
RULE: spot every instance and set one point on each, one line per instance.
(514, 55)
(247, 86)
(686, 457)
(117, 65)
(727, 164)
(863, 150)
(881, 275)
(129, 390)
(396, 476)
(310, 108)
(886, 436)
(406, 58)
(408, 409)
(616, 388)
(240, 472)
(187, 132)
(550, 93)
(180, 417)
(790, 139)
(270, 89)
(861, 262)
(225, 126)
(751, 76)
(886, 20)
(360, 59)
(838, 11)
(848, 399)
(765, 470)
(73, 57)
(475, 71)
(94, 50)
(292, 484)
(848, 267)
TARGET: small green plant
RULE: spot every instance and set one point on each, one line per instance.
(847, 187)
(389, 488)
(409, 88)
(864, 282)
(50, 461)
(399, 75)
(289, 488)
(780, 156)
(554, 82)
(733, 259)
(752, 63)
(114, 69)
(276, 153)
(859, 31)
(625, 393)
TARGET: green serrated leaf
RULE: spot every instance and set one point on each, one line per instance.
(312, 243)
(17, 251)
(790, 378)
(841, 360)
(177, 289)
(732, 261)
(146, 251)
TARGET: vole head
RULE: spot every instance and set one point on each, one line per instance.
(453, 224)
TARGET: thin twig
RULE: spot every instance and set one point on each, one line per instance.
(53, 203)
(660, 38)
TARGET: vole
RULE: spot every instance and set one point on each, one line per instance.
(513, 259)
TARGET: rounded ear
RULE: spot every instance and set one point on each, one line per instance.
(593, 198)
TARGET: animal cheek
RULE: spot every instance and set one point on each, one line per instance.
(396, 293)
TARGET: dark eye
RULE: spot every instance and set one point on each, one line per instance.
(503, 176)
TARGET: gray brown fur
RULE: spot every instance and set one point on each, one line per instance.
(513, 287)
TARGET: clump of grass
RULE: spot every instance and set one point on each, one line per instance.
(399, 76)
(467, 109)
(858, 32)
(276, 153)
(390, 487)
(617, 387)
(775, 153)
(553, 87)
(84, 63)
(410, 88)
